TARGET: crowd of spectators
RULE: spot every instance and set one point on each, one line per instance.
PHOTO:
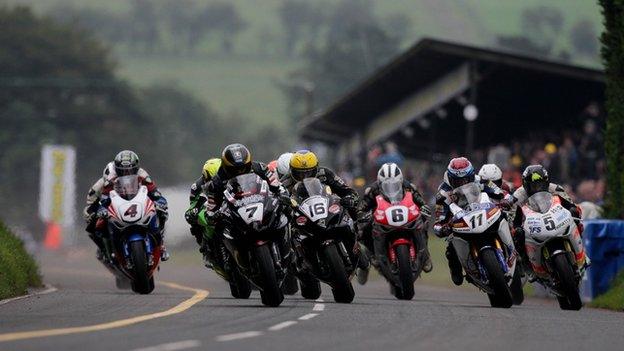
(574, 159)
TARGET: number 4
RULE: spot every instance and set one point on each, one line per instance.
(131, 211)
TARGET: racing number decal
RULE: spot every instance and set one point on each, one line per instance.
(397, 215)
(251, 213)
(131, 211)
(549, 223)
(251, 210)
(476, 220)
(318, 209)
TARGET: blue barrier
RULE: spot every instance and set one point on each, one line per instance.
(604, 244)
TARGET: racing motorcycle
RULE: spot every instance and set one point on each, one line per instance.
(483, 243)
(133, 224)
(400, 253)
(322, 232)
(256, 235)
(555, 249)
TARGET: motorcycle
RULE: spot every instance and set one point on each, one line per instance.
(483, 243)
(398, 249)
(321, 234)
(555, 249)
(256, 235)
(133, 224)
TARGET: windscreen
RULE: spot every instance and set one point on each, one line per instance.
(246, 184)
(540, 202)
(467, 194)
(127, 186)
(313, 186)
(392, 189)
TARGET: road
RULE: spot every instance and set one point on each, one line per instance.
(88, 313)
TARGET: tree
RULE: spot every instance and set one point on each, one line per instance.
(584, 38)
(612, 51)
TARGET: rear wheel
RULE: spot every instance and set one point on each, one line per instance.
(405, 273)
(341, 288)
(290, 287)
(271, 293)
(502, 295)
(310, 287)
(567, 284)
(239, 286)
(516, 287)
(141, 283)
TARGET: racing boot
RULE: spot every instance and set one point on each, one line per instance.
(363, 264)
(164, 255)
(457, 274)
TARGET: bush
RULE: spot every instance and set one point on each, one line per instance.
(18, 269)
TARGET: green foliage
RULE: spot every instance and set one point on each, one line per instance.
(613, 57)
(613, 299)
(18, 271)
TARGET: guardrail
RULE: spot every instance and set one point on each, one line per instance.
(604, 244)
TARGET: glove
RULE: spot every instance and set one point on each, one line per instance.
(161, 204)
(442, 230)
(191, 215)
(284, 198)
(102, 213)
(365, 217)
(348, 201)
(426, 211)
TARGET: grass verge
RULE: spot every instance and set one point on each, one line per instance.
(613, 299)
(18, 270)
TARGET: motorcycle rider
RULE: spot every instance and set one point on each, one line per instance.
(535, 179)
(126, 163)
(459, 172)
(283, 165)
(197, 200)
(368, 203)
(93, 203)
(491, 172)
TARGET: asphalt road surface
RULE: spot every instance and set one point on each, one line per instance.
(191, 309)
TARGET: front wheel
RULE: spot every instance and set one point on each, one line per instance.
(502, 295)
(405, 272)
(271, 293)
(567, 284)
(141, 283)
(341, 285)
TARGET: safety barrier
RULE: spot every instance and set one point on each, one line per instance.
(604, 244)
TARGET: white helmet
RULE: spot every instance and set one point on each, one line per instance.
(283, 164)
(490, 172)
(389, 171)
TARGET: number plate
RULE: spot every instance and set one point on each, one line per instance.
(252, 212)
(315, 208)
(397, 215)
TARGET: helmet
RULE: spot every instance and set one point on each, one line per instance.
(303, 164)
(211, 167)
(492, 173)
(535, 179)
(236, 159)
(389, 171)
(283, 164)
(126, 163)
(460, 172)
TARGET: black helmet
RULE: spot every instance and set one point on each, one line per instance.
(236, 160)
(126, 163)
(535, 179)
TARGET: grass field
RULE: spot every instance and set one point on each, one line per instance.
(18, 271)
(614, 298)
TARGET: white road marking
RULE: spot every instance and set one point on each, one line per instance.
(320, 300)
(237, 336)
(49, 289)
(305, 317)
(318, 307)
(173, 346)
(280, 326)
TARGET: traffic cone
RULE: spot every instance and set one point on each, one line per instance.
(52, 240)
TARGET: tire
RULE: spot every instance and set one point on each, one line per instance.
(502, 295)
(310, 288)
(405, 273)
(239, 286)
(141, 283)
(567, 284)
(290, 287)
(341, 285)
(271, 293)
(516, 288)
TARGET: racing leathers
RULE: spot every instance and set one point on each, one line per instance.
(368, 203)
(197, 200)
(443, 217)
